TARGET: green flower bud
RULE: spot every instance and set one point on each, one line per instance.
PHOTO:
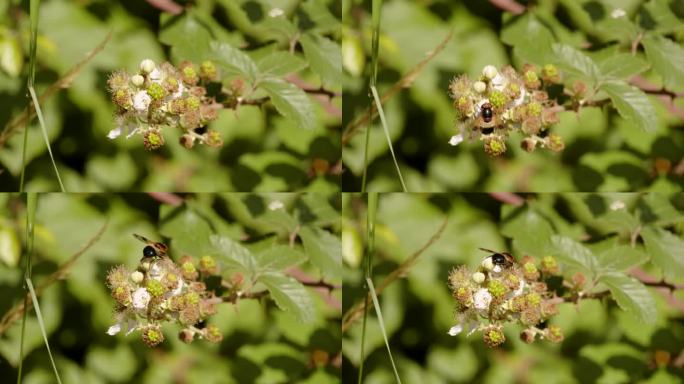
(494, 146)
(155, 91)
(212, 334)
(152, 336)
(213, 138)
(208, 71)
(155, 288)
(554, 334)
(497, 99)
(549, 265)
(496, 288)
(534, 109)
(493, 337)
(153, 139)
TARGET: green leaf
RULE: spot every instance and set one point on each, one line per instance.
(660, 18)
(324, 250)
(278, 258)
(233, 60)
(289, 294)
(321, 16)
(325, 58)
(531, 233)
(189, 232)
(233, 254)
(659, 205)
(631, 295)
(573, 253)
(10, 248)
(620, 258)
(280, 63)
(632, 104)
(619, 221)
(622, 66)
(531, 40)
(318, 210)
(575, 62)
(11, 57)
(290, 101)
(667, 58)
(666, 250)
(279, 27)
(188, 38)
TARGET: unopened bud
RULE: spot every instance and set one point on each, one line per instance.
(137, 80)
(147, 66)
(489, 72)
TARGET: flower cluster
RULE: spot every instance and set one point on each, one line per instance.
(160, 291)
(497, 294)
(502, 102)
(159, 96)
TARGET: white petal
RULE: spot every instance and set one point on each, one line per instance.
(456, 139)
(275, 12)
(521, 99)
(114, 329)
(473, 327)
(156, 76)
(114, 133)
(482, 298)
(455, 330)
(141, 101)
(275, 204)
(132, 326)
(179, 92)
(141, 298)
(499, 82)
(617, 13)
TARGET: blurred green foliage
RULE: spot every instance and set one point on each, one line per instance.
(291, 335)
(291, 143)
(603, 342)
(633, 143)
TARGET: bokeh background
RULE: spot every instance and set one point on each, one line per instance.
(262, 150)
(603, 343)
(603, 151)
(262, 343)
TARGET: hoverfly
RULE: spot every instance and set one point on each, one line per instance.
(487, 121)
(153, 250)
(502, 259)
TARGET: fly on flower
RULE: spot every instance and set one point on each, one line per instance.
(153, 249)
(502, 260)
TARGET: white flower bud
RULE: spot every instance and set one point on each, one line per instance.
(478, 277)
(488, 264)
(137, 80)
(456, 139)
(479, 86)
(147, 66)
(489, 72)
(137, 277)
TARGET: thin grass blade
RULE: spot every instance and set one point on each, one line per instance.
(31, 203)
(381, 321)
(36, 104)
(42, 327)
(381, 113)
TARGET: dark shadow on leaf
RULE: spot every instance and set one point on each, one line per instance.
(633, 366)
(294, 176)
(255, 204)
(324, 148)
(677, 7)
(596, 204)
(245, 371)
(325, 340)
(585, 370)
(595, 10)
(635, 176)
(585, 178)
(292, 367)
(244, 178)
